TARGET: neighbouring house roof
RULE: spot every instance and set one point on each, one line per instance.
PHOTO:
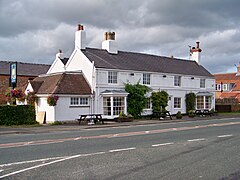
(230, 95)
(144, 62)
(24, 69)
(64, 83)
(228, 78)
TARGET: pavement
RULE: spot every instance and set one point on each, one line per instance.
(74, 126)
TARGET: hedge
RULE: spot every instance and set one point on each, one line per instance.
(17, 115)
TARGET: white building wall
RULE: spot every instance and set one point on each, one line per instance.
(158, 82)
(57, 66)
(50, 114)
(79, 62)
(65, 112)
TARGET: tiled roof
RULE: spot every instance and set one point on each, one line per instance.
(65, 83)
(24, 69)
(144, 62)
(227, 79)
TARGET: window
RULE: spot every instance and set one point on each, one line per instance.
(112, 77)
(202, 83)
(225, 87)
(200, 102)
(74, 101)
(177, 80)
(107, 106)
(231, 86)
(146, 78)
(208, 102)
(79, 101)
(83, 101)
(118, 105)
(218, 87)
(177, 102)
(148, 104)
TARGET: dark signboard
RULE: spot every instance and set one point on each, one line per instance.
(13, 74)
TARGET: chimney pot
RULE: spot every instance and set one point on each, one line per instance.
(197, 44)
(80, 27)
(59, 50)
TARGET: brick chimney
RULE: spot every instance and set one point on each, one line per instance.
(109, 42)
(195, 53)
(80, 37)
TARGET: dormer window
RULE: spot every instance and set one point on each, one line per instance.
(112, 77)
(146, 78)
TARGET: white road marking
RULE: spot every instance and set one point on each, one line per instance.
(226, 135)
(32, 161)
(52, 162)
(42, 143)
(146, 131)
(1, 170)
(125, 149)
(193, 140)
(163, 144)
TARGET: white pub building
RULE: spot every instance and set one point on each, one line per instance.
(92, 80)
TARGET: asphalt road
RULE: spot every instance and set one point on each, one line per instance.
(187, 150)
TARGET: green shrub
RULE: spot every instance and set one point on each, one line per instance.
(136, 99)
(190, 101)
(17, 115)
(191, 113)
(159, 101)
(179, 115)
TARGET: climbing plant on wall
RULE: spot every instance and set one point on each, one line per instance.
(136, 99)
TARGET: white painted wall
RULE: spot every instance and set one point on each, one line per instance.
(57, 66)
(65, 112)
(79, 62)
(158, 82)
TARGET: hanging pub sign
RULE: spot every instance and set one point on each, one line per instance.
(13, 74)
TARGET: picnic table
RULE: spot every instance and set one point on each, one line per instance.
(161, 114)
(90, 118)
(203, 112)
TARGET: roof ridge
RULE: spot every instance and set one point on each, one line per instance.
(225, 73)
(1, 61)
(142, 53)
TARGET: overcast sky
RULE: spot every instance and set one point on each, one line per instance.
(34, 30)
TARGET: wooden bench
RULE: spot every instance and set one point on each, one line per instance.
(90, 118)
(159, 114)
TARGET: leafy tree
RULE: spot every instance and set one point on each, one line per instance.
(159, 101)
(136, 98)
(190, 100)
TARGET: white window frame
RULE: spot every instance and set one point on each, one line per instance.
(146, 78)
(148, 104)
(112, 77)
(202, 83)
(113, 105)
(218, 87)
(177, 102)
(177, 81)
(79, 101)
(225, 87)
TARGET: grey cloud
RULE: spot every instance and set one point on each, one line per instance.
(33, 30)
